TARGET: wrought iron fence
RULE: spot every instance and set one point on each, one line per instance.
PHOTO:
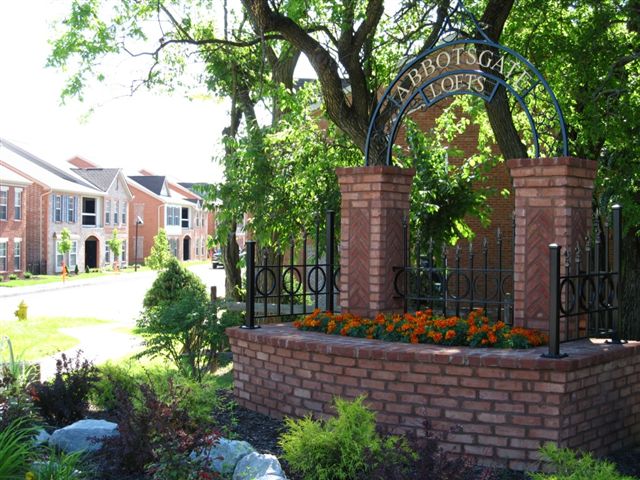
(37, 268)
(286, 288)
(454, 281)
(585, 301)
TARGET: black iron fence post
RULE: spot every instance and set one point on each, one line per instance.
(554, 303)
(617, 267)
(405, 263)
(330, 259)
(249, 319)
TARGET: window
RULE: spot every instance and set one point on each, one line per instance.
(17, 254)
(59, 259)
(123, 253)
(116, 205)
(124, 213)
(173, 246)
(73, 255)
(71, 209)
(89, 212)
(185, 217)
(3, 255)
(107, 255)
(197, 245)
(4, 195)
(173, 216)
(17, 203)
(57, 212)
(107, 213)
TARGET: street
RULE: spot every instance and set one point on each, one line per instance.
(116, 297)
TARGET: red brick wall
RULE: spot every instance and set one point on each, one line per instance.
(151, 210)
(507, 403)
(12, 229)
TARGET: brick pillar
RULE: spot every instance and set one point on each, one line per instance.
(374, 202)
(553, 205)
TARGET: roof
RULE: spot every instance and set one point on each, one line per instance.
(154, 183)
(42, 171)
(9, 177)
(194, 186)
(100, 177)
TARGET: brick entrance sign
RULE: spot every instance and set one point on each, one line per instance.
(374, 202)
(553, 205)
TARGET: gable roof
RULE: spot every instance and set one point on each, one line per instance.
(154, 183)
(43, 171)
(9, 177)
(100, 177)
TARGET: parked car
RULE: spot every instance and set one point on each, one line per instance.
(216, 259)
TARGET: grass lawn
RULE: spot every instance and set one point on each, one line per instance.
(39, 337)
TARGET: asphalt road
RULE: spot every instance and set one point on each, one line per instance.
(113, 297)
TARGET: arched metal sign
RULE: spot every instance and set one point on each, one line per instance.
(470, 65)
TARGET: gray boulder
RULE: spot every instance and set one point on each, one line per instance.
(256, 466)
(80, 435)
(225, 454)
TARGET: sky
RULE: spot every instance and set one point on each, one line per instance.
(168, 135)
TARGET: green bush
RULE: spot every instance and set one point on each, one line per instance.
(13, 276)
(334, 449)
(569, 466)
(27, 275)
(16, 449)
(173, 282)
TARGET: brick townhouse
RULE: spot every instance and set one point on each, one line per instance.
(13, 231)
(161, 203)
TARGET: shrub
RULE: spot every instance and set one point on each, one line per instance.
(13, 276)
(160, 254)
(422, 327)
(16, 449)
(333, 449)
(76, 270)
(15, 374)
(28, 275)
(156, 437)
(65, 399)
(569, 466)
(174, 281)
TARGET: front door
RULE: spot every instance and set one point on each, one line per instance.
(91, 253)
(186, 249)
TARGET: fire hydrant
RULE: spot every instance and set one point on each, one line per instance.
(21, 312)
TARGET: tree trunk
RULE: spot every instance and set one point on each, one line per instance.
(231, 257)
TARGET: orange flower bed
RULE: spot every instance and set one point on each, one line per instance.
(422, 327)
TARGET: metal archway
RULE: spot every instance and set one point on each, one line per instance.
(481, 66)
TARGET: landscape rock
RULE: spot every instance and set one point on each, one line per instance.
(225, 454)
(82, 435)
(257, 466)
(42, 438)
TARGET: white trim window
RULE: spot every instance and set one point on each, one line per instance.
(197, 246)
(123, 253)
(17, 254)
(107, 255)
(107, 212)
(17, 203)
(3, 254)
(59, 258)
(71, 209)
(124, 213)
(89, 212)
(173, 216)
(73, 255)
(173, 246)
(4, 201)
(116, 206)
(57, 208)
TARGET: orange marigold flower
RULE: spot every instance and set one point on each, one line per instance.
(450, 334)
(413, 339)
(390, 327)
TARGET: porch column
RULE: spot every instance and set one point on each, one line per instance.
(552, 205)
(374, 202)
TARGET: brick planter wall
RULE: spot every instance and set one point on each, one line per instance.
(506, 402)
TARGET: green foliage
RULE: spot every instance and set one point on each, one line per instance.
(13, 276)
(64, 244)
(16, 449)
(171, 283)
(27, 275)
(181, 324)
(569, 466)
(15, 375)
(160, 252)
(115, 245)
(61, 466)
(333, 449)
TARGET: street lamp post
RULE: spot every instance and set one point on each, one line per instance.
(135, 248)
